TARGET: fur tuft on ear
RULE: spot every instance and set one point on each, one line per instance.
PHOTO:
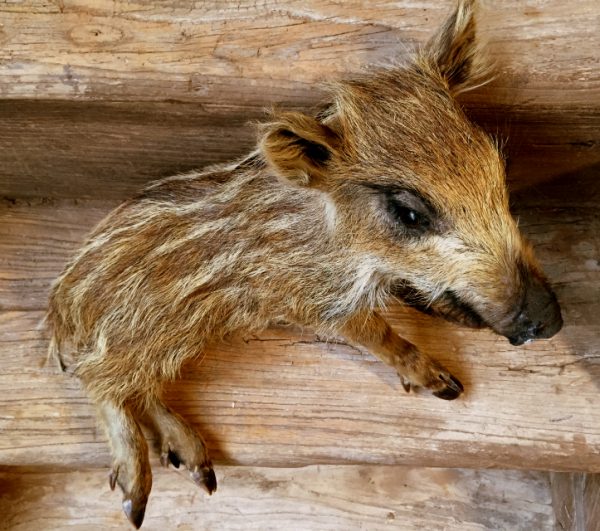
(455, 51)
(299, 148)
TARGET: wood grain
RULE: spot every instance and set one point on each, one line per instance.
(316, 497)
(288, 398)
(254, 53)
(155, 89)
(109, 150)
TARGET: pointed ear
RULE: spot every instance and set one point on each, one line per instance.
(454, 51)
(299, 148)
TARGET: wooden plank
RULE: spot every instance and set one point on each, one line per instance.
(109, 150)
(227, 60)
(232, 52)
(288, 398)
(316, 497)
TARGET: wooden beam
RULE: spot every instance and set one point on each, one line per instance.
(110, 150)
(239, 53)
(316, 497)
(223, 62)
(288, 398)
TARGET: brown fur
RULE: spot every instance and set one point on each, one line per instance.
(303, 230)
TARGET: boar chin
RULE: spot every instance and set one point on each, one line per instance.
(447, 306)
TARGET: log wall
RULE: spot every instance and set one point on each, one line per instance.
(98, 97)
(140, 89)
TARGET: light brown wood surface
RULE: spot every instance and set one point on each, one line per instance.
(288, 398)
(237, 53)
(316, 497)
(153, 88)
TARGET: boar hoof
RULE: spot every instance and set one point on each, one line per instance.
(405, 383)
(170, 457)
(205, 477)
(134, 512)
(112, 478)
(453, 388)
(193, 457)
(135, 492)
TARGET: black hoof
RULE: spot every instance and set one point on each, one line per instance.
(134, 512)
(405, 383)
(452, 390)
(205, 477)
(170, 457)
(112, 478)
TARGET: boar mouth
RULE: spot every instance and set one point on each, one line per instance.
(449, 306)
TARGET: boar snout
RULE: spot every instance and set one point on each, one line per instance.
(539, 316)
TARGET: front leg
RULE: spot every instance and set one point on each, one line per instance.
(414, 368)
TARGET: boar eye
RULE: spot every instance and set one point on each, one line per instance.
(408, 209)
(410, 218)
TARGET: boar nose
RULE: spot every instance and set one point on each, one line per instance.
(539, 316)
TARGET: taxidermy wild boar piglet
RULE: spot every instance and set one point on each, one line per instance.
(390, 191)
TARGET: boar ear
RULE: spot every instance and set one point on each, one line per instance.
(299, 148)
(455, 53)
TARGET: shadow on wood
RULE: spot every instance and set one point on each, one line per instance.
(316, 497)
(110, 150)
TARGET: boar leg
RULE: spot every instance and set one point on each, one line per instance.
(131, 466)
(180, 443)
(414, 368)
